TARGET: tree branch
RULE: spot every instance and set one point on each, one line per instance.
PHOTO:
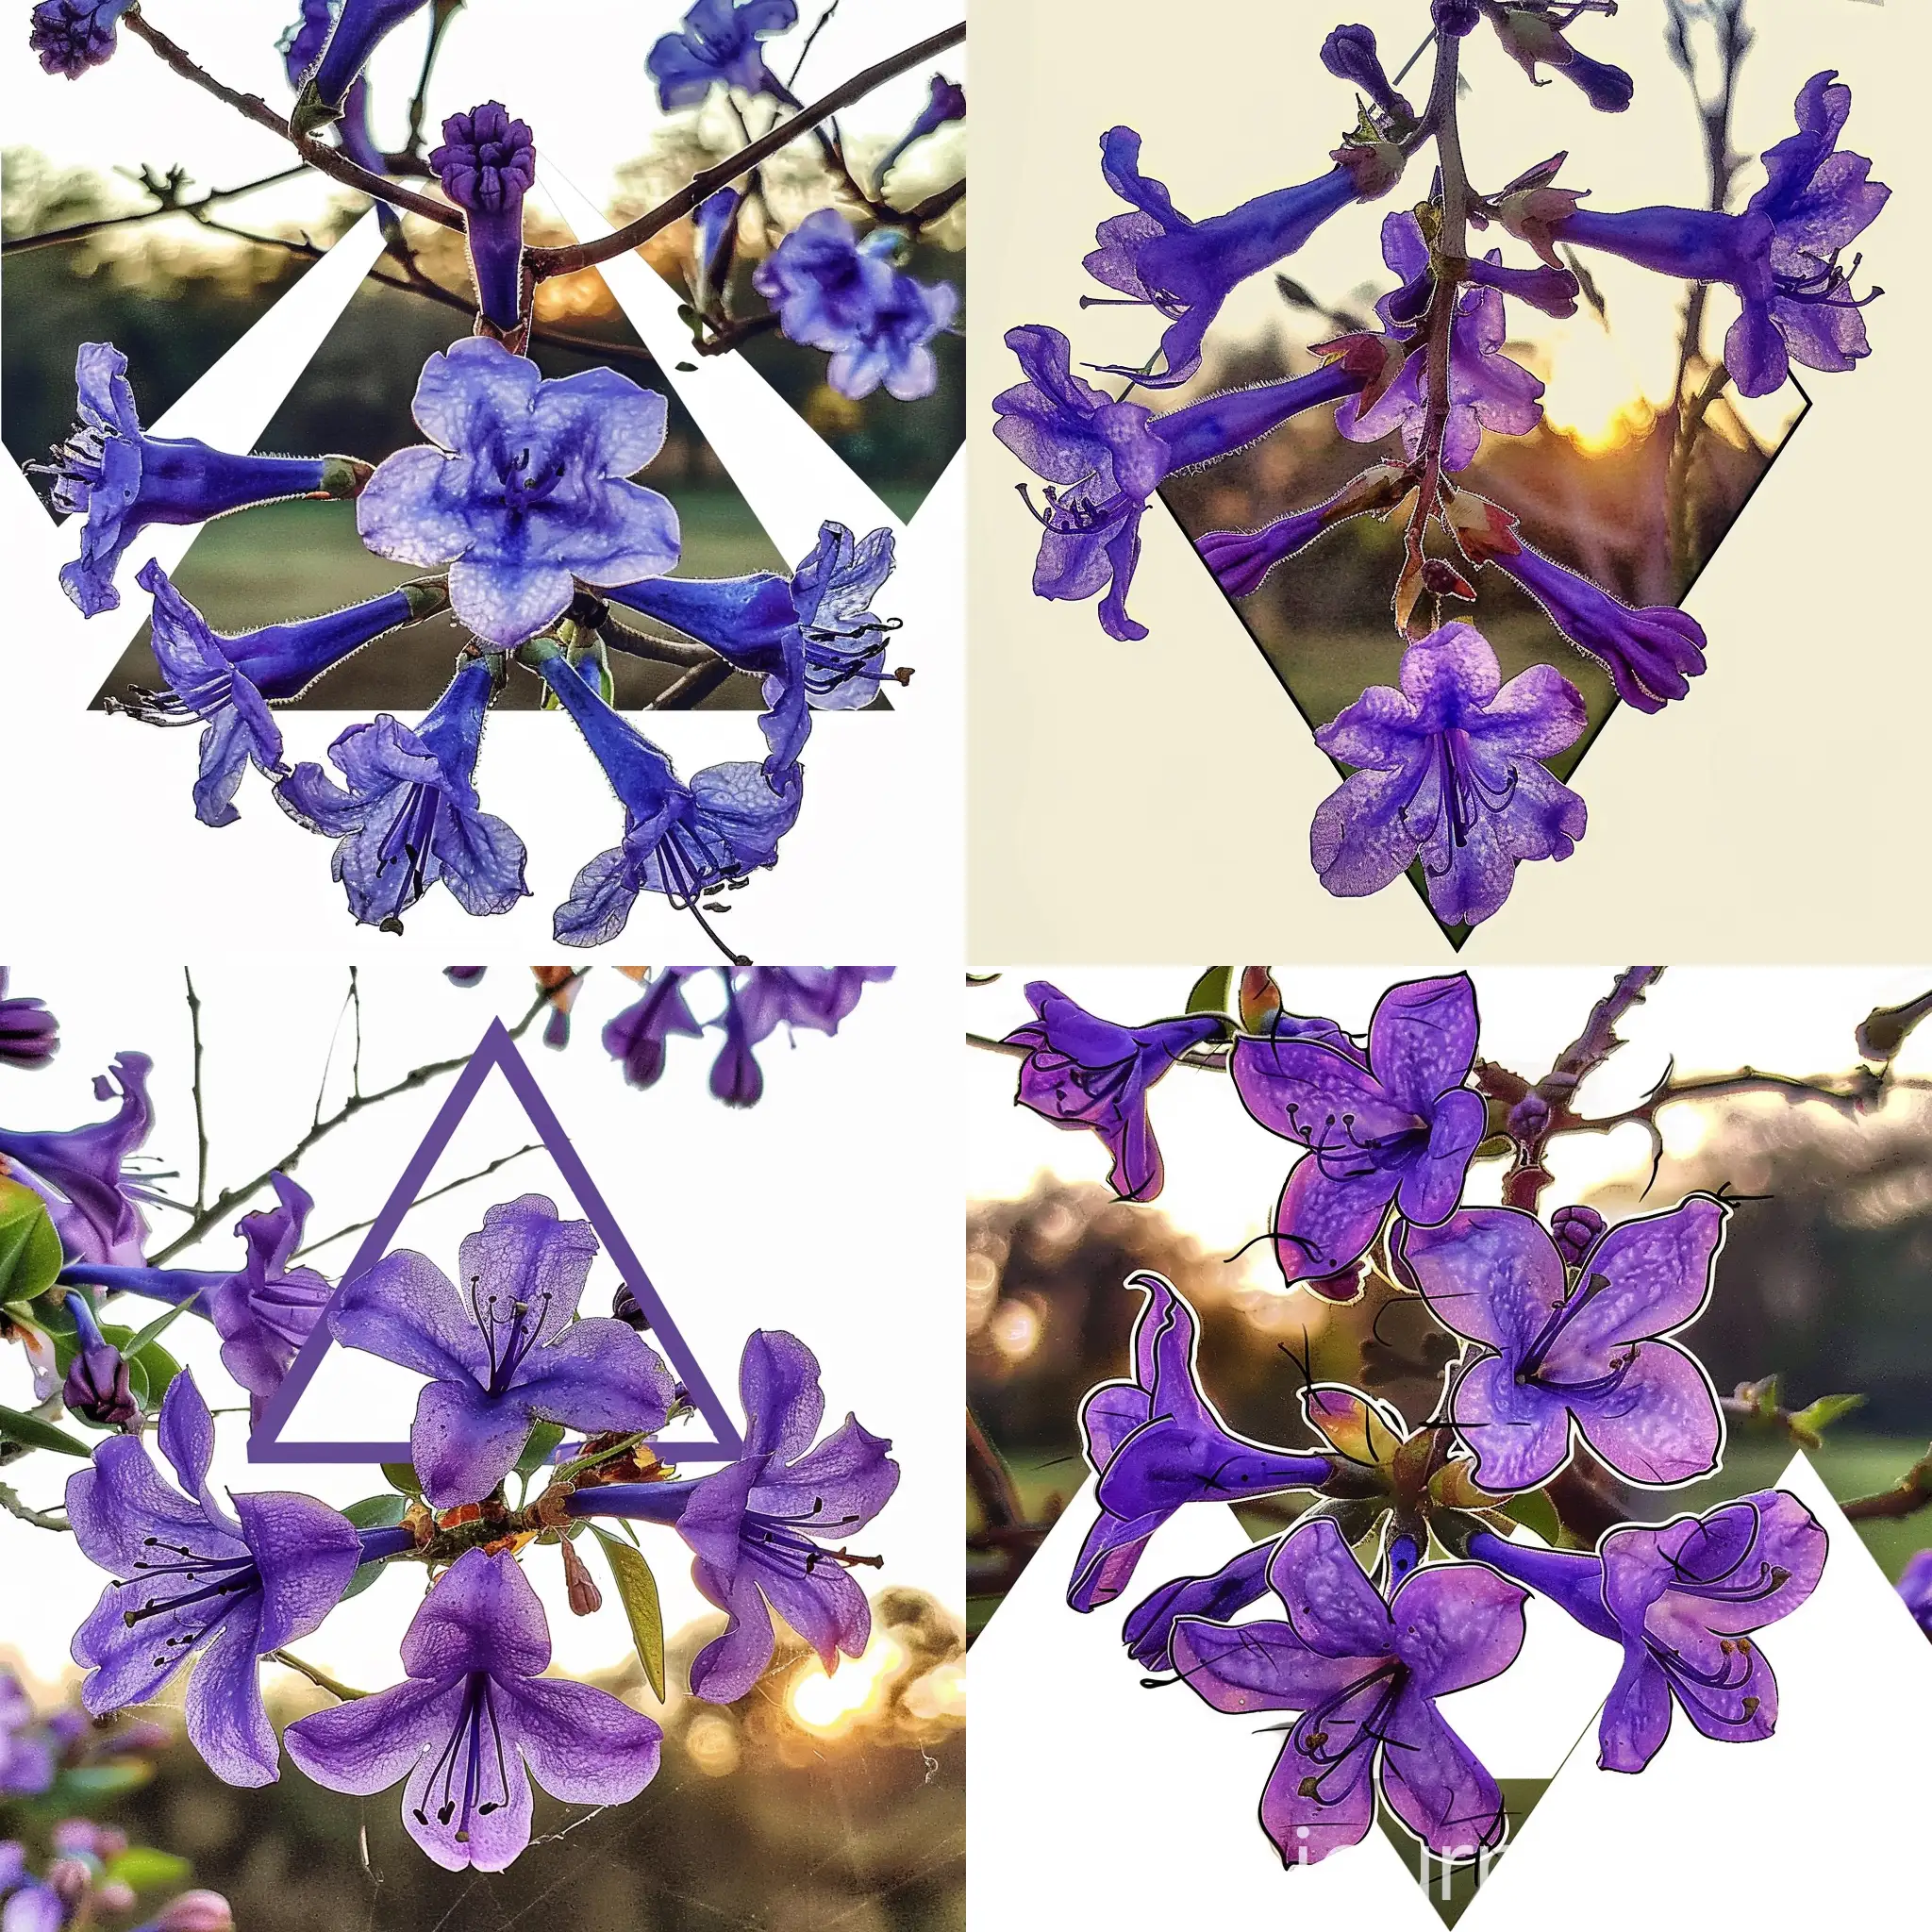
(41, 1519)
(24, 244)
(447, 1188)
(546, 262)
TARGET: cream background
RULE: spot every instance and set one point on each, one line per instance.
(1127, 801)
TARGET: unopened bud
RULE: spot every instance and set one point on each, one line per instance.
(197, 1912)
(1574, 1230)
(97, 1389)
(579, 1585)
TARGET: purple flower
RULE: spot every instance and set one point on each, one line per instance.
(1082, 1071)
(1487, 389)
(1365, 1676)
(360, 26)
(832, 591)
(1781, 255)
(944, 102)
(1149, 1629)
(1240, 559)
(70, 36)
(503, 1353)
(1103, 460)
(1349, 54)
(714, 232)
(1157, 1444)
(1391, 1122)
(1580, 1349)
(1684, 1600)
(82, 1173)
(1455, 18)
(682, 840)
(34, 1908)
(1449, 776)
(475, 1723)
(118, 477)
(1650, 654)
(98, 1389)
(638, 1035)
(190, 1578)
(29, 1034)
(410, 818)
(760, 999)
(1915, 1588)
(753, 1526)
(27, 1758)
(487, 164)
(719, 42)
(1574, 1230)
(522, 489)
(1186, 269)
(833, 291)
(1530, 40)
(229, 682)
(301, 45)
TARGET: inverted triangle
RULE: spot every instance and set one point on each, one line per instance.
(496, 1050)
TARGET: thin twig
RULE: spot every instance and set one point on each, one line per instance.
(321, 1679)
(447, 1188)
(200, 1104)
(546, 262)
(419, 1076)
(41, 1519)
(325, 160)
(80, 231)
(446, 11)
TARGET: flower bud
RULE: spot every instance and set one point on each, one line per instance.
(624, 1304)
(579, 1585)
(1349, 54)
(1529, 1119)
(97, 1389)
(486, 163)
(1574, 1231)
(197, 1912)
(1455, 17)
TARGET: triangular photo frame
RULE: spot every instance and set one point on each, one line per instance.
(495, 1052)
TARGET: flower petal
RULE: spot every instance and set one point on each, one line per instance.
(405, 1309)
(482, 1615)
(582, 1745)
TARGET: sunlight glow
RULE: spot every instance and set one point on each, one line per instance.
(829, 1704)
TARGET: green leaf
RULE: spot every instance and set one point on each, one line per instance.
(372, 1512)
(158, 1365)
(158, 1327)
(1535, 1511)
(1212, 990)
(403, 1476)
(37, 1433)
(544, 1439)
(144, 1868)
(29, 1248)
(88, 1784)
(1811, 1422)
(638, 1589)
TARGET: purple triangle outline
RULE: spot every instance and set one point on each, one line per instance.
(496, 1050)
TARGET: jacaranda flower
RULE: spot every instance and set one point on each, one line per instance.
(29, 1034)
(1650, 654)
(1684, 1601)
(263, 1311)
(1582, 1349)
(1451, 775)
(227, 682)
(1149, 1629)
(1365, 1676)
(1531, 39)
(300, 47)
(1487, 389)
(757, 1527)
(1081, 1070)
(83, 1172)
(190, 1578)
(714, 239)
(832, 591)
(522, 491)
(835, 291)
(505, 1352)
(1781, 255)
(1391, 1122)
(760, 999)
(70, 36)
(1349, 53)
(682, 840)
(1104, 459)
(1157, 1444)
(637, 1037)
(944, 102)
(410, 818)
(1184, 269)
(487, 164)
(120, 479)
(99, 1388)
(1915, 1588)
(27, 1756)
(1240, 559)
(474, 1722)
(360, 26)
(719, 44)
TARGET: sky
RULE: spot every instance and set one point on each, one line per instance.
(798, 1213)
(1223, 1172)
(132, 110)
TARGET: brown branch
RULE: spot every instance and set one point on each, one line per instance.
(80, 231)
(1909, 1494)
(324, 159)
(448, 1187)
(546, 262)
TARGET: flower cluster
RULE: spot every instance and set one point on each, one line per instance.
(1405, 1577)
(826, 286)
(1450, 768)
(522, 505)
(754, 1002)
